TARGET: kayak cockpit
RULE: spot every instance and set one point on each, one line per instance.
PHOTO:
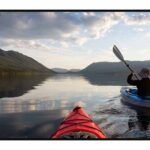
(129, 96)
(78, 135)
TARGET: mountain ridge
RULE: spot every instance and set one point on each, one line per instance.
(15, 62)
(114, 67)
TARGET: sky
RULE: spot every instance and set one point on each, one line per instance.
(73, 40)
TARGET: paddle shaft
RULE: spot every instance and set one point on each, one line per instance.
(130, 69)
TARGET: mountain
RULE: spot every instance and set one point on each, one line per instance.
(111, 73)
(12, 62)
(74, 70)
(60, 70)
(114, 67)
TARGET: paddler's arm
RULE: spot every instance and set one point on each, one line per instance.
(131, 81)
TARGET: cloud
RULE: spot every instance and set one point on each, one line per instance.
(139, 29)
(26, 44)
(35, 25)
(137, 19)
(97, 26)
(60, 26)
(143, 31)
(28, 29)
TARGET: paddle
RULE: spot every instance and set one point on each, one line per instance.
(120, 57)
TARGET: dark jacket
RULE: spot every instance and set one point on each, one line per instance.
(143, 85)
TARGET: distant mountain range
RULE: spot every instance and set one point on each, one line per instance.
(12, 62)
(114, 67)
(15, 62)
(62, 70)
(111, 73)
(106, 68)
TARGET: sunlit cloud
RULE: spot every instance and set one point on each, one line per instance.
(139, 29)
(57, 26)
(26, 44)
(138, 19)
(75, 39)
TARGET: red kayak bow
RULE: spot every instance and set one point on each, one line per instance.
(78, 121)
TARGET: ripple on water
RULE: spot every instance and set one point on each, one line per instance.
(120, 121)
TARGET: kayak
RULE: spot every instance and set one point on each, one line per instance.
(130, 96)
(78, 125)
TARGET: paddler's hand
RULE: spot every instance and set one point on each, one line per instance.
(135, 76)
(131, 75)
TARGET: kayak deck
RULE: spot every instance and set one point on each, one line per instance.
(78, 125)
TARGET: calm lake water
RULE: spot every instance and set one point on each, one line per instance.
(33, 107)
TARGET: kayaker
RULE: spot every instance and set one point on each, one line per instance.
(143, 85)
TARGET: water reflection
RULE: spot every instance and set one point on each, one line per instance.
(7, 106)
(139, 125)
(106, 79)
(17, 86)
(38, 105)
(57, 92)
(36, 125)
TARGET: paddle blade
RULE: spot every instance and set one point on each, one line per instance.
(118, 53)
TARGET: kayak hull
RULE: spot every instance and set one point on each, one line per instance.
(130, 97)
(78, 121)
